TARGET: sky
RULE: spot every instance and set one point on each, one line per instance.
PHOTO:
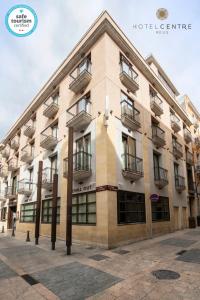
(28, 62)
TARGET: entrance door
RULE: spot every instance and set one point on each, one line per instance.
(11, 213)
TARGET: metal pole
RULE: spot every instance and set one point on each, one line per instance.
(38, 205)
(69, 191)
(54, 211)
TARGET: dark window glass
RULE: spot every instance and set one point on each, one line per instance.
(47, 211)
(160, 209)
(131, 207)
(28, 212)
(3, 213)
(84, 208)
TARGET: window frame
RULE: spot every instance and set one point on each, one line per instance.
(165, 219)
(48, 215)
(25, 210)
(86, 212)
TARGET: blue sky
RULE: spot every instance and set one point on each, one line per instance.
(27, 63)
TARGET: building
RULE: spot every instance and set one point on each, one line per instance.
(132, 143)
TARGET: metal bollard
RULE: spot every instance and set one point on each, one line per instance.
(2, 230)
(28, 236)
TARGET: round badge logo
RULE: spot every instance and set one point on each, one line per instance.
(21, 20)
(162, 13)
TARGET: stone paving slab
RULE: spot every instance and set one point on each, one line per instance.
(191, 256)
(5, 271)
(75, 281)
(192, 233)
(98, 257)
(178, 242)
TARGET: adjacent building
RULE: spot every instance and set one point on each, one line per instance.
(133, 161)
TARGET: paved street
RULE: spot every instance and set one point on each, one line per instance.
(35, 272)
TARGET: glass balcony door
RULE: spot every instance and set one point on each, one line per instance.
(129, 150)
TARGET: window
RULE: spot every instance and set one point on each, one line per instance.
(126, 67)
(3, 213)
(83, 104)
(54, 165)
(131, 207)
(160, 209)
(28, 212)
(47, 211)
(129, 153)
(156, 163)
(54, 131)
(84, 209)
(14, 185)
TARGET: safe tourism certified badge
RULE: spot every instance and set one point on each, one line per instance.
(21, 20)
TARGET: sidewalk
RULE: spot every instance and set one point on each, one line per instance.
(35, 272)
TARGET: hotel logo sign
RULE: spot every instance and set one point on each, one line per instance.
(164, 27)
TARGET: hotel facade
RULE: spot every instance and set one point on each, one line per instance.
(135, 150)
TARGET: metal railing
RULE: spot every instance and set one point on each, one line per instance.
(189, 157)
(155, 99)
(128, 70)
(160, 174)
(25, 184)
(177, 147)
(11, 190)
(158, 132)
(175, 119)
(77, 109)
(81, 162)
(47, 174)
(129, 111)
(84, 66)
(180, 182)
(28, 150)
(132, 163)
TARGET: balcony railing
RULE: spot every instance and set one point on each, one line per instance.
(160, 177)
(187, 136)
(11, 192)
(3, 171)
(158, 136)
(129, 77)
(197, 142)
(27, 154)
(189, 158)
(79, 116)
(156, 105)
(47, 140)
(180, 183)
(13, 165)
(130, 116)
(81, 76)
(14, 144)
(5, 152)
(81, 166)
(2, 196)
(25, 187)
(132, 167)
(47, 178)
(197, 168)
(177, 150)
(29, 129)
(51, 107)
(191, 187)
(175, 123)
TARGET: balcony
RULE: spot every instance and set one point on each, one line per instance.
(81, 166)
(25, 187)
(197, 142)
(180, 183)
(51, 108)
(187, 136)
(160, 177)
(177, 150)
(81, 76)
(158, 136)
(11, 192)
(29, 129)
(189, 158)
(48, 141)
(3, 171)
(191, 187)
(47, 178)
(14, 144)
(156, 105)
(79, 116)
(175, 123)
(130, 116)
(2, 196)
(129, 77)
(196, 123)
(27, 154)
(13, 165)
(5, 152)
(197, 168)
(132, 167)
